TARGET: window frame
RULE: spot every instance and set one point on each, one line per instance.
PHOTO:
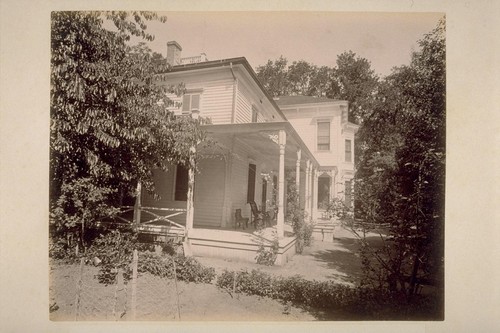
(346, 152)
(323, 121)
(191, 93)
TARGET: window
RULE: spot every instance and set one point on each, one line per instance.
(348, 151)
(252, 170)
(181, 183)
(324, 135)
(190, 102)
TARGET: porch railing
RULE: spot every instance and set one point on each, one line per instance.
(146, 217)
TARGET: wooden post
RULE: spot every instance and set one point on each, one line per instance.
(307, 189)
(297, 172)
(314, 193)
(280, 225)
(176, 289)
(133, 301)
(137, 206)
(79, 289)
(190, 203)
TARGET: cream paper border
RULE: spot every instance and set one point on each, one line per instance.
(472, 273)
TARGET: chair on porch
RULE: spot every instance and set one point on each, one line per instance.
(257, 215)
(240, 221)
(270, 217)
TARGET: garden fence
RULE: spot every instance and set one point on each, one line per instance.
(143, 297)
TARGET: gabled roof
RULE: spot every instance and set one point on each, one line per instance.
(293, 100)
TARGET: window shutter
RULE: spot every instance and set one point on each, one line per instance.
(195, 102)
(186, 99)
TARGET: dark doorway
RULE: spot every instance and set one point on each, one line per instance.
(323, 191)
(264, 194)
(252, 170)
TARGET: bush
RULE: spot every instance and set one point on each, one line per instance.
(187, 269)
(293, 289)
(347, 302)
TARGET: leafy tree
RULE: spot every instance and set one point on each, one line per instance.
(353, 80)
(108, 130)
(299, 75)
(401, 172)
(273, 77)
(320, 81)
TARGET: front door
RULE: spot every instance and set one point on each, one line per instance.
(323, 191)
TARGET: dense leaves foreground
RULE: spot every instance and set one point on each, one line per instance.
(110, 119)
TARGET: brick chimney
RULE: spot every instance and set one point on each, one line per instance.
(173, 53)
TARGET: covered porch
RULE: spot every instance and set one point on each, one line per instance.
(247, 164)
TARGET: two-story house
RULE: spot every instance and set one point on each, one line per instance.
(322, 124)
(256, 142)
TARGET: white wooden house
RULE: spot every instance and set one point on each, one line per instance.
(258, 138)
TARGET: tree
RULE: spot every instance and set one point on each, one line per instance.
(353, 80)
(273, 77)
(108, 130)
(299, 75)
(401, 172)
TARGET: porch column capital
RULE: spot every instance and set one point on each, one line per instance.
(282, 138)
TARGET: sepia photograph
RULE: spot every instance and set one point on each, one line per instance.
(240, 166)
(255, 166)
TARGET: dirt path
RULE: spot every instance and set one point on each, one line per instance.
(337, 261)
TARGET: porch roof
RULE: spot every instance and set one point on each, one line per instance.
(256, 135)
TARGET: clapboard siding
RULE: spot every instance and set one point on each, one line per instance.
(209, 193)
(164, 186)
(216, 100)
(243, 108)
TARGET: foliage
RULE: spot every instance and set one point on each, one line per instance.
(348, 302)
(187, 268)
(353, 80)
(268, 256)
(401, 172)
(110, 119)
(77, 208)
(337, 207)
(114, 250)
(296, 215)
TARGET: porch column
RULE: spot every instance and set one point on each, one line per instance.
(190, 203)
(297, 172)
(315, 194)
(308, 188)
(137, 205)
(280, 225)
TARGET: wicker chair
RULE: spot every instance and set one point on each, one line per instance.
(257, 215)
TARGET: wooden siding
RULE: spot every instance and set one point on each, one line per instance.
(216, 100)
(164, 183)
(243, 107)
(209, 193)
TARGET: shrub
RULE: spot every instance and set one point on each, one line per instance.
(293, 289)
(187, 268)
(347, 302)
(268, 256)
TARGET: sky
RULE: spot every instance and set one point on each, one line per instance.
(385, 39)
